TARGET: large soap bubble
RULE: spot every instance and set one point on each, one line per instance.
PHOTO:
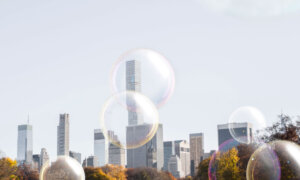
(146, 71)
(276, 160)
(65, 168)
(129, 119)
(246, 116)
(252, 8)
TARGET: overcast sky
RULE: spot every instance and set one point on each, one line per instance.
(56, 56)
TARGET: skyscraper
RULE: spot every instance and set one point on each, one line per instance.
(169, 150)
(174, 166)
(24, 144)
(91, 161)
(116, 155)
(133, 83)
(36, 161)
(197, 150)
(63, 135)
(100, 147)
(150, 154)
(44, 157)
(242, 130)
(182, 150)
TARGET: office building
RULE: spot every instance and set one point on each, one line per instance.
(242, 131)
(63, 135)
(100, 147)
(207, 155)
(196, 150)
(174, 167)
(169, 151)
(36, 161)
(133, 83)
(91, 161)
(24, 144)
(149, 155)
(116, 155)
(76, 156)
(182, 150)
(44, 158)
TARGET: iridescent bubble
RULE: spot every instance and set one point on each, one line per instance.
(146, 71)
(129, 119)
(65, 168)
(240, 117)
(252, 8)
(275, 160)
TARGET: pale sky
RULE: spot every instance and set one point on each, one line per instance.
(56, 57)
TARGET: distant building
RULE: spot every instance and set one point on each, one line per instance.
(24, 144)
(169, 151)
(91, 161)
(116, 155)
(63, 135)
(100, 147)
(149, 155)
(174, 167)
(182, 150)
(76, 156)
(44, 158)
(207, 155)
(197, 150)
(36, 161)
(2, 154)
(242, 130)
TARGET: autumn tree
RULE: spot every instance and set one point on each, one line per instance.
(25, 172)
(147, 174)
(8, 168)
(96, 174)
(244, 153)
(115, 171)
(202, 171)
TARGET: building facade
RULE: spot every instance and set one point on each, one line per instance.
(100, 147)
(63, 135)
(196, 150)
(182, 150)
(242, 130)
(36, 161)
(169, 151)
(24, 144)
(76, 156)
(116, 155)
(44, 158)
(174, 167)
(91, 161)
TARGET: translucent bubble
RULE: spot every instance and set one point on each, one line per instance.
(240, 117)
(215, 163)
(146, 71)
(252, 8)
(65, 168)
(129, 119)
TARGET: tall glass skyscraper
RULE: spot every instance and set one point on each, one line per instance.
(24, 144)
(100, 147)
(63, 135)
(151, 154)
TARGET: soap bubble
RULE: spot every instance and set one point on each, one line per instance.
(129, 119)
(65, 168)
(243, 117)
(275, 160)
(252, 8)
(146, 71)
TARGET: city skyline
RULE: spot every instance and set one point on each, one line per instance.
(52, 63)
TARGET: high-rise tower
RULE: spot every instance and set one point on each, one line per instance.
(196, 151)
(63, 135)
(24, 144)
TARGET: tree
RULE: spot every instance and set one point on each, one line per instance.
(202, 171)
(244, 153)
(96, 174)
(117, 172)
(227, 165)
(25, 172)
(147, 174)
(8, 168)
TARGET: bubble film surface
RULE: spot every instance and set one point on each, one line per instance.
(65, 168)
(129, 119)
(145, 71)
(240, 117)
(275, 160)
